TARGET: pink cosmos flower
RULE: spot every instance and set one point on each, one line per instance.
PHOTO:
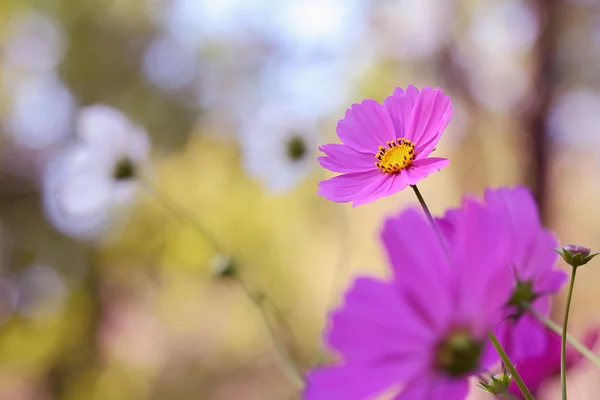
(386, 147)
(545, 367)
(534, 266)
(424, 332)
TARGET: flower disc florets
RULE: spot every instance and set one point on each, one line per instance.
(458, 354)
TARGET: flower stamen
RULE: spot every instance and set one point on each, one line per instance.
(398, 155)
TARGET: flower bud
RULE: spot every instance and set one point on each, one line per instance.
(224, 266)
(575, 255)
(498, 384)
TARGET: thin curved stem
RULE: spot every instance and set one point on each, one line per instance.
(430, 218)
(563, 347)
(510, 367)
(184, 216)
(553, 326)
(180, 214)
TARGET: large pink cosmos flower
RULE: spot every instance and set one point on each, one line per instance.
(422, 334)
(540, 369)
(386, 147)
(532, 264)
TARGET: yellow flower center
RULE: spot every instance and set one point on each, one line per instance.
(398, 155)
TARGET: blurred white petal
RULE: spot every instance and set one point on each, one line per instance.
(33, 41)
(265, 147)
(41, 113)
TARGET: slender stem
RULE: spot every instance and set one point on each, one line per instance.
(285, 362)
(553, 326)
(430, 218)
(510, 367)
(184, 216)
(563, 347)
(180, 214)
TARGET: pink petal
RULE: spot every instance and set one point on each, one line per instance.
(421, 266)
(341, 158)
(541, 259)
(417, 389)
(356, 381)
(424, 149)
(375, 323)
(521, 210)
(550, 282)
(399, 107)
(365, 127)
(344, 188)
(482, 236)
(451, 389)
(387, 186)
(427, 120)
(422, 168)
(434, 387)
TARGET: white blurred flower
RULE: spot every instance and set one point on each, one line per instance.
(168, 65)
(500, 86)
(415, 28)
(279, 147)
(494, 51)
(318, 24)
(33, 42)
(41, 292)
(574, 117)
(504, 27)
(88, 185)
(40, 112)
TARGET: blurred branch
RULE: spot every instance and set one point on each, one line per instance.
(545, 77)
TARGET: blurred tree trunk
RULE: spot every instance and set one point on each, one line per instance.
(545, 79)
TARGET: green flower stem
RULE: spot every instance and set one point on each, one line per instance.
(430, 218)
(553, 326)
(563, 347)
(184, 216)
(510, 367)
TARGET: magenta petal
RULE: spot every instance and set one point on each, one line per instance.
(432, 387)
(420, 265)
(344, 188)
(375, 323)
(425, 148)
(341, 158)
(365, 127)
(427, 118)
(541, 258)
(451, 389)
(482, 235)
(422, 168)
(550, 282)
(518, 204)
(386, 186)
(417, 389)
(353, 382)
(399, 106)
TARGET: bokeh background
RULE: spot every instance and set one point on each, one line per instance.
(235, 96)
